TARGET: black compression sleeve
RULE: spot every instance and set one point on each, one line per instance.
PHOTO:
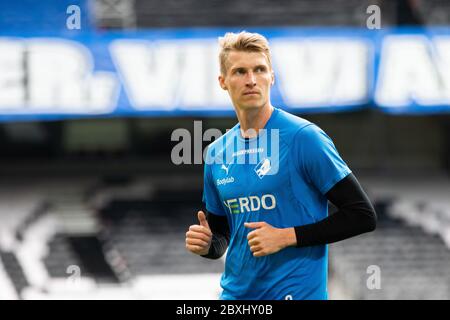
(355, 216)
(221, 235)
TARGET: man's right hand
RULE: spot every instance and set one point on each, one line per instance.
(198, 238)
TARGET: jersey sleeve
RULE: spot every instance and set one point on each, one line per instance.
(210, 195)
(317, 159)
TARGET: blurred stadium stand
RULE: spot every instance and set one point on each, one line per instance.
(111, 14)
(176, 13)
(101, 197)
(117, 232)
(432, 12)
(410, 247)
(48, 15)
(412, 263)
(196, 13)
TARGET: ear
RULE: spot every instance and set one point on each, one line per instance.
(222, 82)
(273, 78)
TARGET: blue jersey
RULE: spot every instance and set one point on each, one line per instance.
(282, 181)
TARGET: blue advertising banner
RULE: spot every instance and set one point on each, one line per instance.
(173, 72)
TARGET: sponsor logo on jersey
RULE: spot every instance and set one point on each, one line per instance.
(224, 181)
(226, 168)
(251, 203)
(247, 151)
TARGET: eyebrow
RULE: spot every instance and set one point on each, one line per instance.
(257, 66)
(261, 66)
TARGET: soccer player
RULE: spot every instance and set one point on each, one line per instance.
(272, 213)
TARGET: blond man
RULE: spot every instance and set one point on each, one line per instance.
(272, 213)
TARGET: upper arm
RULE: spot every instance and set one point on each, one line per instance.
(211, 196)
(348, 191)
(317, 158)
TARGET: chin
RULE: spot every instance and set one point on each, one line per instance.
(255, 104)
(251, 106)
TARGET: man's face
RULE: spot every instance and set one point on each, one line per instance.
(248, 79)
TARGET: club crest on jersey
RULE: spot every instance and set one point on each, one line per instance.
(263, 167)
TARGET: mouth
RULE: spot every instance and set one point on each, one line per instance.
(250, 93)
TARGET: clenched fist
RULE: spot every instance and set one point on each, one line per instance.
(198, 238)
(266, 239)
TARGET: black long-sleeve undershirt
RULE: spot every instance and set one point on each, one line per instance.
(355, 216)
(221, 235)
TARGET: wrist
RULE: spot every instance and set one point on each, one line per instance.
(289, 237)
(206, 251)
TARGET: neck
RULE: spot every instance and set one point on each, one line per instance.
(254, 119)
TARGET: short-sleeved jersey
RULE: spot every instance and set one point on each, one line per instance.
(280, 177)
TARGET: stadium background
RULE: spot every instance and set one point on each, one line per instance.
(92, 206)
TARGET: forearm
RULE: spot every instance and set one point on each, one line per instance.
(337, 227)
(221, 236)
(218, 247)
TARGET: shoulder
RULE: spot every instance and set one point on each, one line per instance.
(292, 119)
(301, 134)
(290, 126)
(311, 131)
(312, 138)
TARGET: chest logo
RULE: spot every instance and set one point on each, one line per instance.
(251, 203)
(226, 168)
(263, 167)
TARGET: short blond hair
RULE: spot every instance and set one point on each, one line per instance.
(242, 41)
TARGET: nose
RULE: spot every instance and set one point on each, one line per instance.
(251, 79)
